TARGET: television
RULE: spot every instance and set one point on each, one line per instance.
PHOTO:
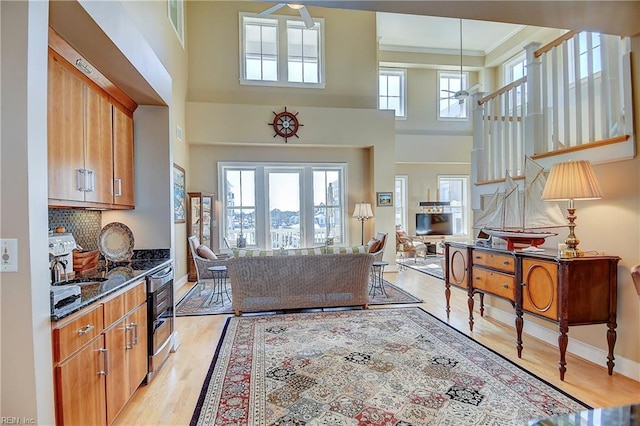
(434, 224)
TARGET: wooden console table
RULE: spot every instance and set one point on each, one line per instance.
(568, 292)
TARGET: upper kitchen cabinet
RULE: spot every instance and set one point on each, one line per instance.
(90, 135)
(123, 175)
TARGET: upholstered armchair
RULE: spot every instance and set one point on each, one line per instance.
(198, 252)
(409, 246)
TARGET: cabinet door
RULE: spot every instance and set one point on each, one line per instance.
(65, 127)
(123, 172)
(98, 150)
(458, 267)
(540, 288)
(117, 340)
(80, 387)
(138, 353)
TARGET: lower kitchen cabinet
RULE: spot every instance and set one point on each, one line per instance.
(126, 343)
(80, 386)
(94, 379)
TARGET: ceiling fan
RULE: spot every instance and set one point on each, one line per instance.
(463, 94)
(304, 13)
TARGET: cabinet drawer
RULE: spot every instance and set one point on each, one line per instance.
(72, 336)
(135, 296)
(497, 283)
(113, 310)
(501, 262)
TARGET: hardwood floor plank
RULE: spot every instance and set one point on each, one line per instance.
(171, 396)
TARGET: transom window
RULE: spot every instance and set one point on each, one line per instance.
(281, 51)
(272, 205)
(392, 90)
(450, 108)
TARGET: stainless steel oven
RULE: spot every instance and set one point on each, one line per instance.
(160, 318)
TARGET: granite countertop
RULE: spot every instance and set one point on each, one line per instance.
(114, 276)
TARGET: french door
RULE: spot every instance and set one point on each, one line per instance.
(284, 190)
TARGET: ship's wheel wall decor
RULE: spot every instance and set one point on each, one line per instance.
(285, 124)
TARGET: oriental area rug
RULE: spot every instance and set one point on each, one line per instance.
(430, 265)
(199, 302)
(374, 367)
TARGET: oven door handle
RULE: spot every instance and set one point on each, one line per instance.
(157, 276)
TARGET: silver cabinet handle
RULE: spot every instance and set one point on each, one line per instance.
(90, 181)
(118, 181)
(105, 371)
(135, 333)
(129, 344)
(86, 329)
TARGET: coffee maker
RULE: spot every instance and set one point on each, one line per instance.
(61, 246)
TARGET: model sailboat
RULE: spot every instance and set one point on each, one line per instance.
(520, 222)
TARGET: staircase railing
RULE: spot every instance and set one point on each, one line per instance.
(575, 95)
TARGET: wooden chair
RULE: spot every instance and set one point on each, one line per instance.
(410, 246)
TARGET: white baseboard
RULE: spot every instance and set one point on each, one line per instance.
(598, 356)
(177, 283)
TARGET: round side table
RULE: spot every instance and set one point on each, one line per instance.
(377, 284)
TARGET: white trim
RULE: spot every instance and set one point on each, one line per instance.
(180, 10)
(623, 366)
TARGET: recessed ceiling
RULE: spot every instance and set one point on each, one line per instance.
(429, 34)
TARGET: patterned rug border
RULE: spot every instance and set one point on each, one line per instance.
(386, 283)
(212, 365)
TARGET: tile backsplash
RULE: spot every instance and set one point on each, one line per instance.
(84, 225)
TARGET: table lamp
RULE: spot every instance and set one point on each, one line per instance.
(573, 180)
(362, 212)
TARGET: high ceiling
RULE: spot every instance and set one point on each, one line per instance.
(609, 17)
(428, 34)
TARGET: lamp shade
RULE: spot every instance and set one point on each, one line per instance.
(573, 180)
(363, 211)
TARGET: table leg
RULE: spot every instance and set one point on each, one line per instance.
(611, 341)
(563, 340)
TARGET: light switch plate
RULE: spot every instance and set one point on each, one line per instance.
(8, 255)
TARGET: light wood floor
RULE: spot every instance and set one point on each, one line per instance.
(171, 397)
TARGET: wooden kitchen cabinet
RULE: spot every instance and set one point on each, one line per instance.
(123, 171)
(90, 140)
(126, 344)
(199, 223)
(80, 386)
(457, 269)
(100, 356)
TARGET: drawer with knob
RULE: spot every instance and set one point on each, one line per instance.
(494, 282)
(499, 261)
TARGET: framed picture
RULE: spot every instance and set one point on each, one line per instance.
(384, 199)
(179, 198)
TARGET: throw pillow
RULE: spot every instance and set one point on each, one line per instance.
(204, 251)
(374, 245)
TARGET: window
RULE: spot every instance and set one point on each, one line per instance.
(449, 83)
(515, 68)
(590, 55)
(392, 91)
(267, 206)
(455, 189)
(401, 202)
(280, 51)
(176, 16)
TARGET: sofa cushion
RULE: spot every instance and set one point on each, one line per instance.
(204, 251)
(350, 249)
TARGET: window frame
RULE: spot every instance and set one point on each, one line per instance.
(464, 208)
(402, 201)
(402, 73)
(282, 52)
(307, 207)
(464, 82)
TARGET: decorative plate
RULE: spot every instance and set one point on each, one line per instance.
(116, 242)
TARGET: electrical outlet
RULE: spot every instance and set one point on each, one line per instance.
(8, 255)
